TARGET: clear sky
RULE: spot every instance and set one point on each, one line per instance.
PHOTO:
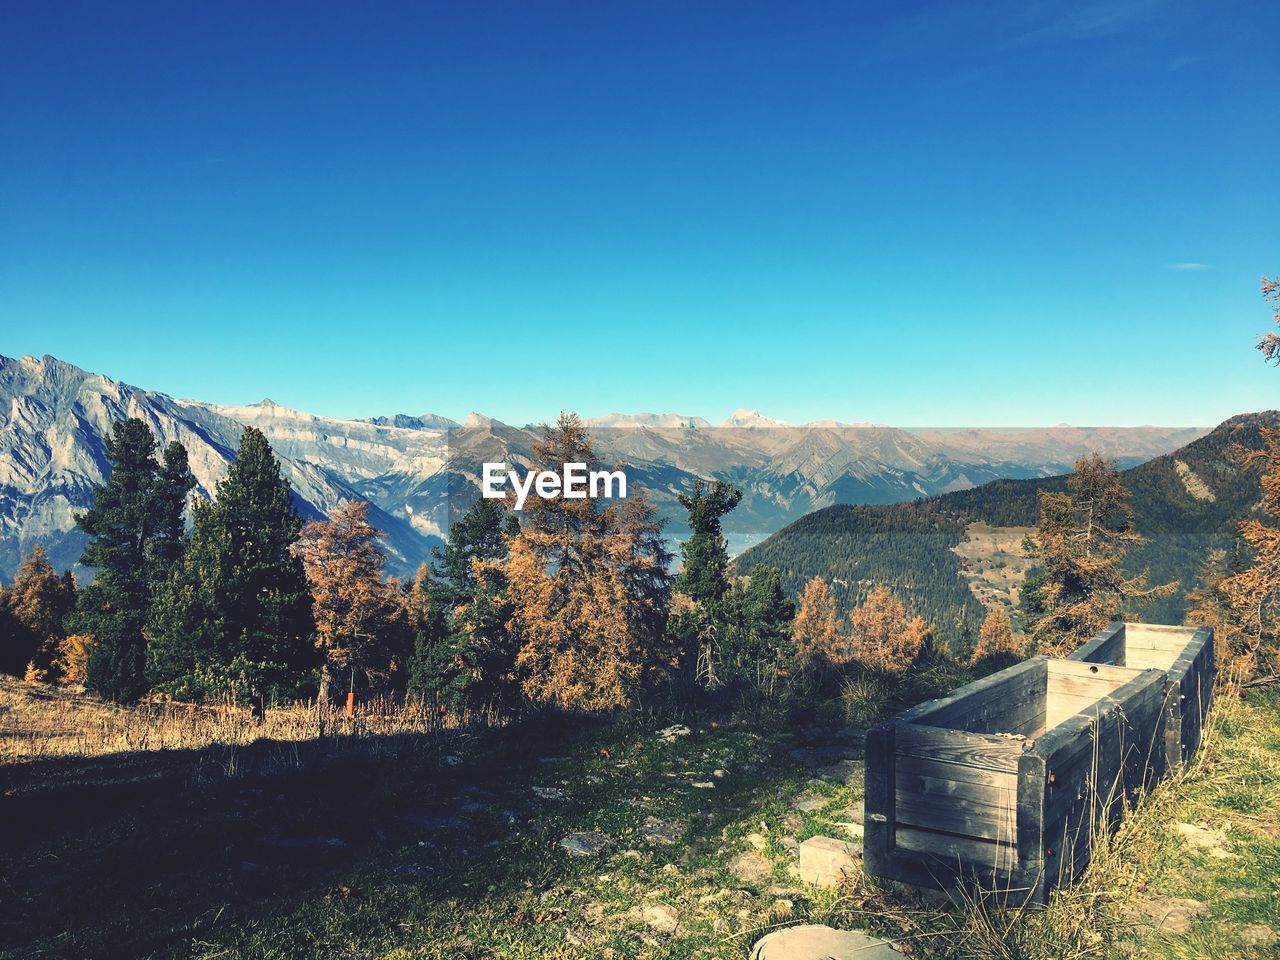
(982, 214)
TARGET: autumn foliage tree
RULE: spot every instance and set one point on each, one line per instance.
(1254, 592)
(816, 630)
(1080, 545)
(37, 605)
(996, 639)
(883, 635)
(587, 587)
(1210, 605)
(358, 614)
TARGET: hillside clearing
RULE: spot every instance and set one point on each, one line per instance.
(457, 845)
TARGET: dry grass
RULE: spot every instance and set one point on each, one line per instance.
(39, 721)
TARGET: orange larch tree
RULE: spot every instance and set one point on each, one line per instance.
(358, 612)
(587, 584)
(883, 634)
(816, 629)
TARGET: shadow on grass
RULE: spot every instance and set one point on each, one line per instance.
(154, 853)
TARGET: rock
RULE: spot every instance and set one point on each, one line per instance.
(815, 942)
(756, 842)
(851, 773)
(658, 916)
(852, 813)
(1166, 914)
(704, 785)
(808, 804)
(790, 844)
(662, 832)
(584, 844)
(1200, 836)
(828, 862)
(854, 830)
(670, 734)
(750, 867)
(1258, 936)
(781, 908)
(549, 793)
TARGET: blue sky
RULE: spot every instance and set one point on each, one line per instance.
(979, 214)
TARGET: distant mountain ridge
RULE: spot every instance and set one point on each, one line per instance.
(1185, 502)
(418, 471)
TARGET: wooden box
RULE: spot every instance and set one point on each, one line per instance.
(1185, 654)
(1001, 784)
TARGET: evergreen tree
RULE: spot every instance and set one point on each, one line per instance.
(134, 536)
(463, 654)
(236, 612)
(755, 642)
(699, 615)
(705, 555)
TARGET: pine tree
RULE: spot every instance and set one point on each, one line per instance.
(357, 612)
(755, 641)
(699, 614)
(235, 614)
(133, 538)
(587, 586)
(39, 603)
(705, 555)
(1080, 544)
(463, 654)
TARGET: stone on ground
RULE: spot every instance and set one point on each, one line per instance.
(750, 867)
(657, 916)
(1258, 936)
(1166, 914)
(851, 773)
(669, 734)
(584, 844)
(659, 831)
(808, 804)
(828, 862)
(1201, 836)
(816, 942)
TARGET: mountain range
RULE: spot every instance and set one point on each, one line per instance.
(952, 556)
(419, 471)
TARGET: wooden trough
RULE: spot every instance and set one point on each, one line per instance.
(1186, 656)
(1001, 784)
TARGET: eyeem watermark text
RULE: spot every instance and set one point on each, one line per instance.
(574, 482)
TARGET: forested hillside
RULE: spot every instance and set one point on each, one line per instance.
(1184, 503)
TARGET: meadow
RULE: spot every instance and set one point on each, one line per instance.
(152, 832)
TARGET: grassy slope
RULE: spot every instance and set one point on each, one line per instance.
(150, 856)
(909, 546)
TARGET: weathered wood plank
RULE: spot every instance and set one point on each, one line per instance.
(909, 767)
(952, 814)
(982, 750)
(961, 851)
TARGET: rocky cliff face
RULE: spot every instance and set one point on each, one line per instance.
(419, 471)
